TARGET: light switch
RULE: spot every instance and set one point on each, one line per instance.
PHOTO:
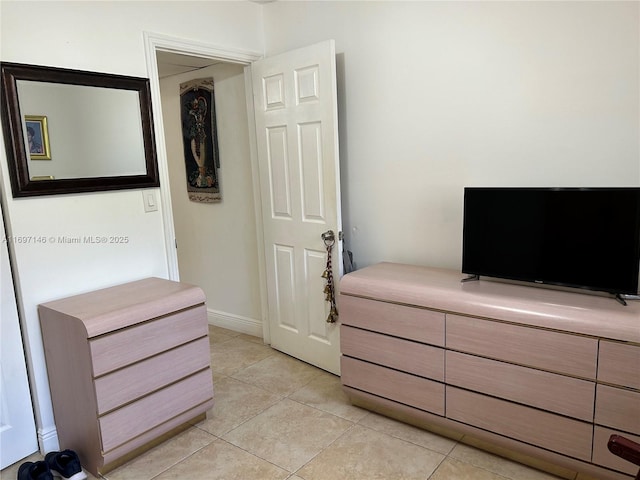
(149, 200)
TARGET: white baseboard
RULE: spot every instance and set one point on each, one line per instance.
(48, 440)
(236, 323)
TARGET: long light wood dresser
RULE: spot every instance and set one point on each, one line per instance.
(128, 366)
(546, 374)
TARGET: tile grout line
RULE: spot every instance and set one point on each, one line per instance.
(351, 427)
(257, 456)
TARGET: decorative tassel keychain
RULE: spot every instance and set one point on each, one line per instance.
(329, 290)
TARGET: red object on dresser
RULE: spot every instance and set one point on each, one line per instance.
(625, 448)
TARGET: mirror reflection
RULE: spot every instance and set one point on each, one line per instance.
(91, 131)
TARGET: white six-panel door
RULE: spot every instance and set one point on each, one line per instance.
(295, 100)
(17, 425)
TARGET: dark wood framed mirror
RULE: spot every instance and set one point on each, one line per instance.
(72, 131)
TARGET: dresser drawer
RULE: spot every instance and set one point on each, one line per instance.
(565, 395)
(391, 352)
(124, 347)
(402, 321)
(619, 363)
(553, 351)
(141, 378)
(398, 386)
(136, 418)
(618, 408)
(550, 431)
(602, 455)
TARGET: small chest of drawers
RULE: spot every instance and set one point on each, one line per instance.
(127, 366)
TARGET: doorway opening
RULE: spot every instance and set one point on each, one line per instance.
(212, 245)
(285, 151)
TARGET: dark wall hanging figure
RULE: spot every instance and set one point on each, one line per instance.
(200, 140)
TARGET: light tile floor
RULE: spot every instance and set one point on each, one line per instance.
(276, 418)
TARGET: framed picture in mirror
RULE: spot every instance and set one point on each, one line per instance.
(37, 137)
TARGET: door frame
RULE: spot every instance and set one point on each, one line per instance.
(154, 42)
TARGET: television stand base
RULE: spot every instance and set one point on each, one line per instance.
(470, 278)
(621, 299)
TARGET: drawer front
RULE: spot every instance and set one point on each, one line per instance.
(136, 418)
(392, 352)
(544, 429)
(414, 323)
(141, 378)
(553, 351)
(602, 455)
(618, 408)
(398, 386)
(618, 363)
(565, 395)
(130, 345)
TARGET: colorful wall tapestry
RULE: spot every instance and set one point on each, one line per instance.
(200, 140)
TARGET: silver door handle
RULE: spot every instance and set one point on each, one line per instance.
(329, 238)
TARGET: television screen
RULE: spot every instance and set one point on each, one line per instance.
(576, 237)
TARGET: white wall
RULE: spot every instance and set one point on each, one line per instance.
(435, 96)
(217, 247)
(103, 37)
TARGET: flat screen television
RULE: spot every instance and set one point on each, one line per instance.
(586, 238)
